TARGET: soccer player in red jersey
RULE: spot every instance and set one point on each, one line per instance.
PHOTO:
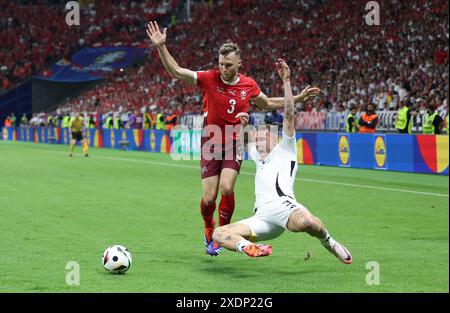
(225, 94)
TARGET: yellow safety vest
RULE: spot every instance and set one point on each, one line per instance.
(116, 123)
(66, 122)
(446, 124)
(402, 120)
(159, 123)
(428, 126)
(347, 124)
(108, 122)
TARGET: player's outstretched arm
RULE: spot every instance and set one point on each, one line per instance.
(265, 103)
(158, 39)
(288, 121)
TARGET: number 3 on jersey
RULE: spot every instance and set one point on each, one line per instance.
(232, 104)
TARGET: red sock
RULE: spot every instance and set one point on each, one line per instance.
(226, 209)
(208, 214)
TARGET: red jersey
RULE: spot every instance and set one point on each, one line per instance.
(222, 101)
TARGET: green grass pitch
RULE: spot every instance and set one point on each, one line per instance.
(55, 209)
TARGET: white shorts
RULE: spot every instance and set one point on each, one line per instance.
(270, 220)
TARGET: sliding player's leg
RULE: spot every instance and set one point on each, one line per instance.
(241, 236)
(230, 235)
(301, 220)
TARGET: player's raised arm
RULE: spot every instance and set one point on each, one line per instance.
(285, 74)
(265, 103)
(158, 39)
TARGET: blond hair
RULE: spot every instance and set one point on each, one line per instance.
(230, 47)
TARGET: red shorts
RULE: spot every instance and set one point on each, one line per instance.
(215, 158)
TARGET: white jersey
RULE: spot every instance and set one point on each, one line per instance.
(275, 176)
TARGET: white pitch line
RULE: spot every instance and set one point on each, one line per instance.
(252, 174)
(374, 187)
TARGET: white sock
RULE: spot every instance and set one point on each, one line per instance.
(242, 244)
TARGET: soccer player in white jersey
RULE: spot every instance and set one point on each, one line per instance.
(276, 208)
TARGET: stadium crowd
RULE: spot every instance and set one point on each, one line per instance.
(328, 44)
(34, 35)
(404, 59)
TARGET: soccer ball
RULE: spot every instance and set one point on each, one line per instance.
(116, 259)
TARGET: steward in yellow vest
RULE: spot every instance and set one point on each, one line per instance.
(351, 124)
(433, 122)
(404, 119)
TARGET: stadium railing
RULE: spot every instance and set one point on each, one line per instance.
(324, 121)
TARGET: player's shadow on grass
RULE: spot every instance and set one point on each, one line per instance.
(247, 269)
(215, 269)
